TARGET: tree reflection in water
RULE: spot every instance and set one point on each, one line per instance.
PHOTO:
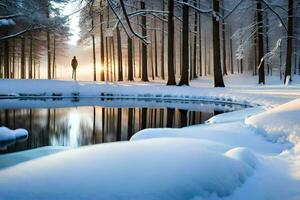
(78, 126)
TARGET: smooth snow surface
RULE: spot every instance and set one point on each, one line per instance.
(235, 115)
(148, 169)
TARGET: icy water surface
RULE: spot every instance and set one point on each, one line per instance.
(78, 122)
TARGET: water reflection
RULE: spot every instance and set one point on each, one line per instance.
(77, 126)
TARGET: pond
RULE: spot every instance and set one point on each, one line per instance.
(79, 122)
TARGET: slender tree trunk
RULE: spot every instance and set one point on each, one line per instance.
(13, 58)
(101, 46)
(163, 45)
(6, 58)
(261, 70)
(184, 80)
(267, 41)
(23, 73)
(231, 53)
(144, 46)
(30, 58)
(54, 57)
(120, 64)
(130, 60)
(49, 55)
(288, 65)
(224, 40)
(195, 44)
(200, 44)
(155, 48)
(171, 74)
(218, 78)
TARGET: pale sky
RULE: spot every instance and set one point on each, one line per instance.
(74, 20)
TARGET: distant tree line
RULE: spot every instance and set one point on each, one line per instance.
(28, 28)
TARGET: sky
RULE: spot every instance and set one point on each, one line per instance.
(74, 20)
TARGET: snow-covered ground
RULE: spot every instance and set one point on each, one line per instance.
(239, 89)
(247, 154)
(8, 136)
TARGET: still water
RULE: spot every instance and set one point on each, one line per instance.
(101, 122)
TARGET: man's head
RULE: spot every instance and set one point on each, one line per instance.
(74, 57)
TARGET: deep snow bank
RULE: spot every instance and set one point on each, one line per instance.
(147, 169)
(279, 124)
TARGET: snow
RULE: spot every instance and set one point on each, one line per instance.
(7, 134)
(252, 153)
(279, 124)
(7, 22)
(11, 159)
(236, 115)
(239, 90)
(128, 170)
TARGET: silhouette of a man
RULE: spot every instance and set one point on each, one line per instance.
(74, 64)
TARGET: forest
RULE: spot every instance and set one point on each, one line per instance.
(176, 41)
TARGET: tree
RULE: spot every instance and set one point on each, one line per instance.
(261, 67)
(162, 59)
(120, 70)
(218, 78)
(171, 74)
(184, 80)
(288, 65)
(130, 59)
(144, 46)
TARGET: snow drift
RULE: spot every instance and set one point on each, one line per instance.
(147, 169)
(7, 135)
(279, 124)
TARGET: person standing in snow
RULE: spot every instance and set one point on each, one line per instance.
(74, 64)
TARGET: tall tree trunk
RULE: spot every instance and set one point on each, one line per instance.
(231, 53)
(163, 45)
(120, 64)
(30, 58)
(261, 70)
(171, 74)
(155, 48)
(224, 41)
(101, 46)
(144, 46)
(218, 78)
(195, 44)
(200, 44)
(49, 55)
(13, 58)
(288, 63)
(6, 58)
(23, 72)
(184, 80)
(54, 57)
(267, 41)
(94, 57)
(130, 59)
